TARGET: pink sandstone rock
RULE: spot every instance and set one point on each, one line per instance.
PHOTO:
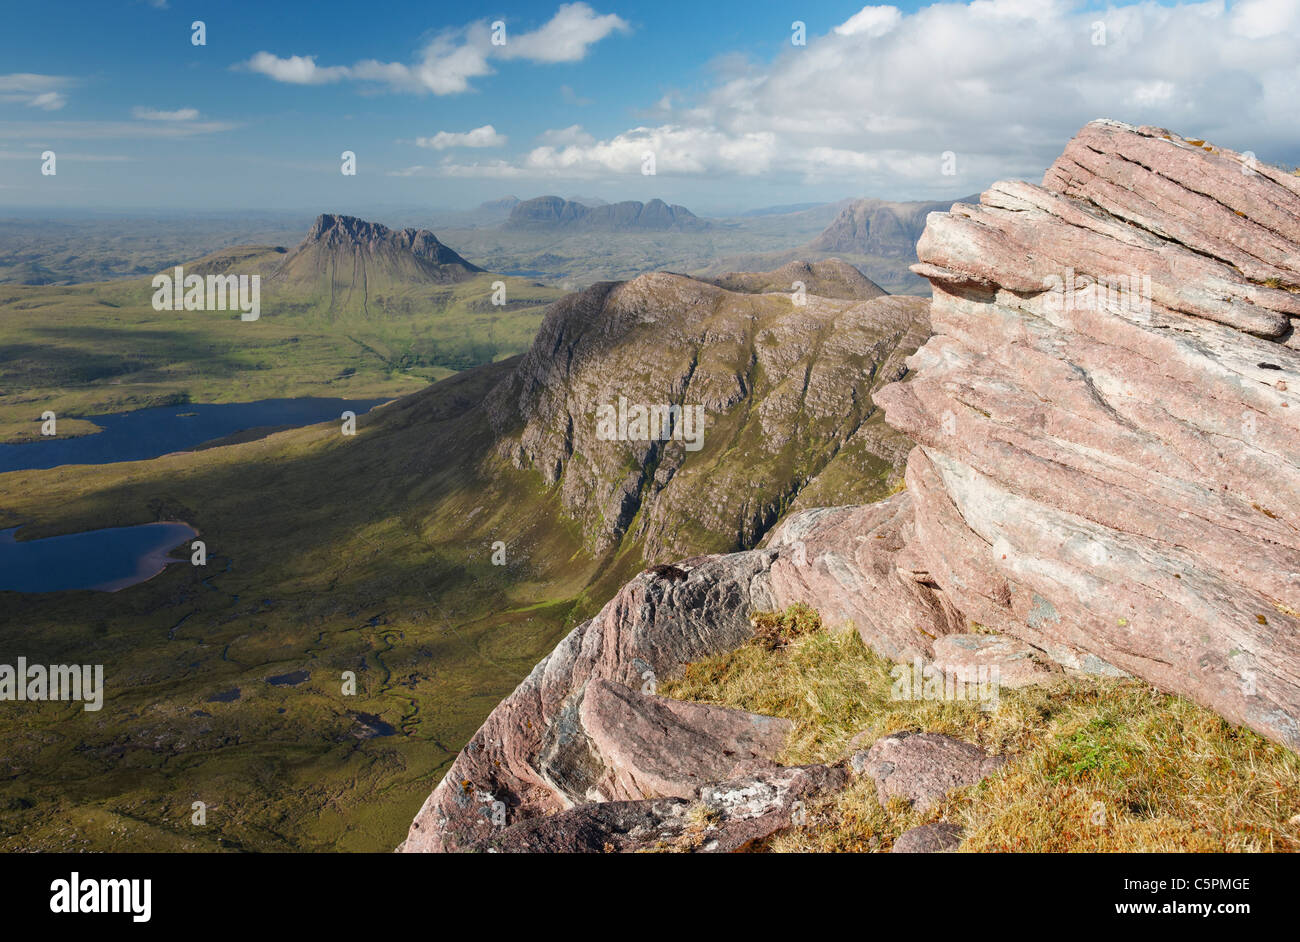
(1122, 481)
(921, 768)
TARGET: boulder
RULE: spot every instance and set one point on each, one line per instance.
(653, 747)
(921, 768)
(940, 837)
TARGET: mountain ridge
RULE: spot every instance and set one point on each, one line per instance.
(554, 213)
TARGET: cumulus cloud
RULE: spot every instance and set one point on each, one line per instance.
(153, 114)
(880, 98)
(34, 90)
(566, 37)
(453, 58)
(485, 136)
(295, 70)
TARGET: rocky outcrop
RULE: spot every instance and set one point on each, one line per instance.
(971, 658)
(731, 816)
(1115, 470)
(544, 749)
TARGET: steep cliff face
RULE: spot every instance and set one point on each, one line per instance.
(1119, 470)
(775, 395)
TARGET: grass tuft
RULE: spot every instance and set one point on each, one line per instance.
(1096, 765)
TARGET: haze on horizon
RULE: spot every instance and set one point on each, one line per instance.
(449, 110)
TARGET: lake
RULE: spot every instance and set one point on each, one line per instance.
(106, 560)
(148, 433)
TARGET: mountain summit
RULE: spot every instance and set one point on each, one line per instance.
(351, 265)
(416, 253)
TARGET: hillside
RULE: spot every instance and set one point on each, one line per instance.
(392, 576)
(831, 278)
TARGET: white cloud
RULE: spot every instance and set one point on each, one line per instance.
(485, 136)
(1257, 19)
(153, 114)
(48, 101)
(296, 70)
(34, 90)
(870, 21)
(494, 170)
(875, 102)
(454, 57)
(566, 37)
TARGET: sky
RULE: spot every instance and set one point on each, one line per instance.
(450, 105)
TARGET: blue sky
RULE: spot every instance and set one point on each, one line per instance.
(736, 115)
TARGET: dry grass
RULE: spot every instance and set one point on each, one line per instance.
(1097, 765)
(774, 630)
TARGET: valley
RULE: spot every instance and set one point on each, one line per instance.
(375, 554)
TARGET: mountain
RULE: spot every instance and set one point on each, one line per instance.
(397, 577)
(351, 253)
(556, 214)
(350, 267)
(877, 227)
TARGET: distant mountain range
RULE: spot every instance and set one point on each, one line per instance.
(877, 237)
(556, 214)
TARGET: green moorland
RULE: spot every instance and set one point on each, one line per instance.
(92, 349)
(326, 554)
